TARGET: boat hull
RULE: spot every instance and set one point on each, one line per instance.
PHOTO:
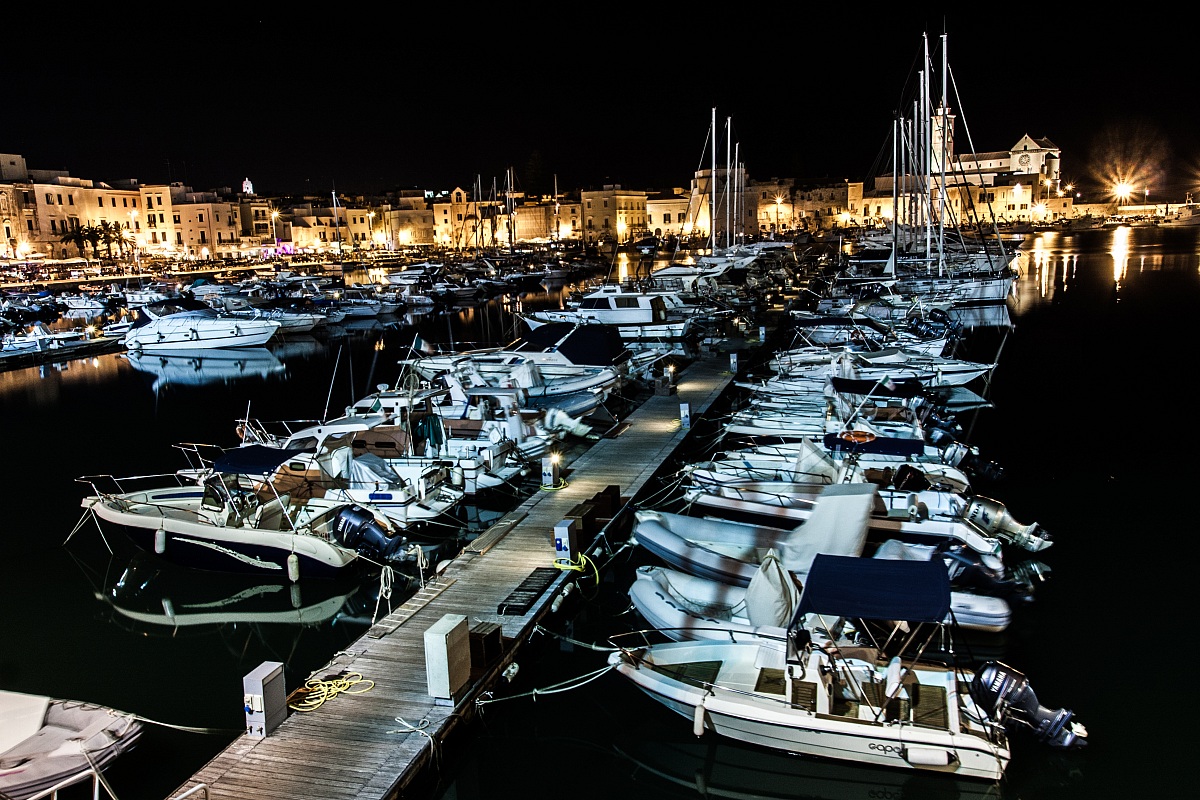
(166, 522)
(745, 703)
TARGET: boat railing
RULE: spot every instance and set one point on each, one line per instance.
(105, 485)
(97, 779)
(200, 787)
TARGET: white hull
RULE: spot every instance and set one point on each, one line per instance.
(754, 697)
(186, 333)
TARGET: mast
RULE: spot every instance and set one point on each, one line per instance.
(712, 186)
(728, 139)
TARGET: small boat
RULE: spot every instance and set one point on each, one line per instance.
(229, 515)
(636, 315)
(47, 744)
(871, 698)
(186, 323)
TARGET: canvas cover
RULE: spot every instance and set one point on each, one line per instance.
(838, 525)
(869, 588)
(773, 594)
(253, 459)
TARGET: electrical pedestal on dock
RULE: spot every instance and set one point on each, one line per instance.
(265, 695)
(448, 658)
(566, 547)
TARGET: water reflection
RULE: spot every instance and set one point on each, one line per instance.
(203, 366)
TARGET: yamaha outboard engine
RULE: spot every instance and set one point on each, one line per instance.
(1006, 696)
(992, 517)
(355, 527)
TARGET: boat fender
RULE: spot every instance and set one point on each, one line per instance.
(698, 718)
(926, 756)
(293, 567)
(160, 541)
(296, 596)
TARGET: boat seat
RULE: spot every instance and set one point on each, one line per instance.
(272, 515)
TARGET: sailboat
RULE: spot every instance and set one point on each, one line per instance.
(926, 255)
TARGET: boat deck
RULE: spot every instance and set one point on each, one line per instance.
(365, 745)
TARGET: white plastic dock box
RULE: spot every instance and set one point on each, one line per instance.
(448, 657)
(265, 698)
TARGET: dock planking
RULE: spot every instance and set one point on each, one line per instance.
(377, 744)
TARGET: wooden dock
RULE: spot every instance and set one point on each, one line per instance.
(353, 746)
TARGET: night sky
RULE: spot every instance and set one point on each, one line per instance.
(360, 100)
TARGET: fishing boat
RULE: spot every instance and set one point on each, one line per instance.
(874, 697)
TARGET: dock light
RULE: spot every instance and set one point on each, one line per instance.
(550, 479)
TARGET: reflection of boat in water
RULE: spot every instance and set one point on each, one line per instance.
(205, 365)
(156, 597)
(717, 768)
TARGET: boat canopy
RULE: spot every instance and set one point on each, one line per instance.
(597, 345)
(253, 459)
(872, 588)
(900, 387)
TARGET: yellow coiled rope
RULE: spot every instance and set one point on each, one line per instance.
(316, 691)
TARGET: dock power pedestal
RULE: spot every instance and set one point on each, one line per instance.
(266, 699)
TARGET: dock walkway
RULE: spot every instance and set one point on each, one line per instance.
(355, 746)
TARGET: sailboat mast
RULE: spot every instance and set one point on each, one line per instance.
(728, 139)
(712, 185)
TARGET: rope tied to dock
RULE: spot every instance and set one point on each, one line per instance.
(317, 691)
(573, 683)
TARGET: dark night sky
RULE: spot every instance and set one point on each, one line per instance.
(359, 100)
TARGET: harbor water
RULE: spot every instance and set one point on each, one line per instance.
(1083, 421)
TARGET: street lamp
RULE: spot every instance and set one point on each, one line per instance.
(778, 203)
(371, 228)
(274, 216)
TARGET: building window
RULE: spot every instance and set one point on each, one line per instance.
(114, 202)
(175, 218)
(124, 202)
(179, 238)
(70, 199)
(50, 199)
(218, 237)
(54, 229)
(199, 218)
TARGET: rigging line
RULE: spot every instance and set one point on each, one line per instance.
(333, 377)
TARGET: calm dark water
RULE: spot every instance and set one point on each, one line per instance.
(1084, 423)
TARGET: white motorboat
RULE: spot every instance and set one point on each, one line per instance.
(47, 744)
(187, 324)
(636, 315)
(237, 514)
(856, 700)
(439, 442)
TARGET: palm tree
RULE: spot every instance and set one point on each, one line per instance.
(76, 237)
(92, 234)
(112, 233)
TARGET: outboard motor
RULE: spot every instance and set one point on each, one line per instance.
(956, 454)
(992, 517)
(968, 571)
(355, 527)
(1006, 696)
